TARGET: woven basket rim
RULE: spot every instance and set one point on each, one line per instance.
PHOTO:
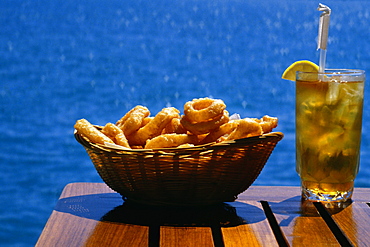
(120, 149)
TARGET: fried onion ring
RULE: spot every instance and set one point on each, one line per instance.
(268, 123)
(154, 127)
(203, 109)
(132, 120)
(116, 134)
(224, 129)
(247, 127)
(146, 121)
(171, 140)
(204, 121)
(88, 130)
(205, 127)
(174, 127)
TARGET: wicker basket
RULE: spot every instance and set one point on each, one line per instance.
(200, 175)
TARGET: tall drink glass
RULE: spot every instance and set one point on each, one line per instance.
(328, 132)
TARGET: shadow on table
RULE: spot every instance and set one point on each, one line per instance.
(108, 207)
(297, 207)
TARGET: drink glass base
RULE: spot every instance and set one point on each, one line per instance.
(323, 196)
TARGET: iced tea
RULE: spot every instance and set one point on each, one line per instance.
(328, 132)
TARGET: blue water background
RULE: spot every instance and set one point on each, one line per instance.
(65, 60)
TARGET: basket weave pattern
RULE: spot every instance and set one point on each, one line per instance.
(200, 175)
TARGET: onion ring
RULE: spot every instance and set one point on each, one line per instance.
(88, 130)
(205, 120)
(247, 127)
(224, 129)
(116, 134)
(205, 127)
(154, 127)
(132, 120)
(171, 140)
(174, 127)
(268, 123)
(146, 121)
(203, 109)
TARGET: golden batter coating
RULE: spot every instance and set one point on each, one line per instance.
(88, 130)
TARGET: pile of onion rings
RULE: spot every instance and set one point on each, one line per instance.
(205, 120)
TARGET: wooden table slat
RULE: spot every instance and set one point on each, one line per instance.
(309, 230)
(68, 234)
(107, 234)
(256, 232)
(185, 236)
(91, 214)
(355, 223)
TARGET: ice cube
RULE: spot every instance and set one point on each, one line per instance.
(352, 92)
(347, 115)
(332, 95)
(340, 88)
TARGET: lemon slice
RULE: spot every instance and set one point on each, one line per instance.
(303, 65)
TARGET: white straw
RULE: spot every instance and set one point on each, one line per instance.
(322, 60)
(322, 39)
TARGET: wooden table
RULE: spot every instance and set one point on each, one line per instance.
(91, 214)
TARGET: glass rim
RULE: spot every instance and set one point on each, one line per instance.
(336, 72)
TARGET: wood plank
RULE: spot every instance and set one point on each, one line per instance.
(281, 193)
(354, 222)
(78, 189)
(243, 236)
(92, 214)
(361, 195)
(255, 232)
(85, 204)
(108, 234)
(254, 193)
(301, 224)
(185, 236)
(64, 223)
(61, 230)
(269, 193)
